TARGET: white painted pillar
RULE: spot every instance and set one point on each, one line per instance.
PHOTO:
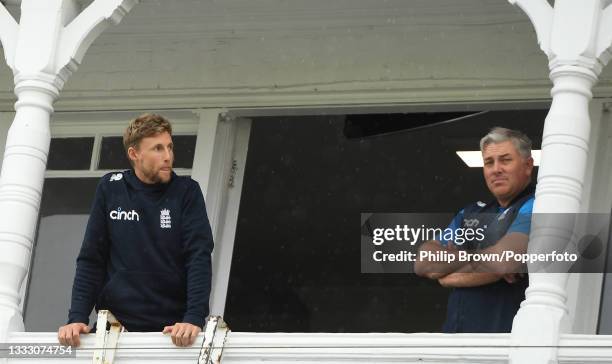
(21, 183)
(216, 169)
(232, 181)
(213, 153)
(576, 36)
(203, 159)
(43, 50)
(220, 158)
(584, 290)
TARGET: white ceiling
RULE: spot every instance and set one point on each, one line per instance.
(231, 52)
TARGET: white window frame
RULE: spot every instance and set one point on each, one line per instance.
(110, 124)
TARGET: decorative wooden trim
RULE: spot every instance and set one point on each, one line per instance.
(85, 28)
(8, 35)
(366, 93)
(541, 15)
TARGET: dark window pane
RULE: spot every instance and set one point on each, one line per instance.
(64, 211)
(63, 196)
(184, 150)
(297, 250)
(70, 153)
(359, 126)
(112, 154)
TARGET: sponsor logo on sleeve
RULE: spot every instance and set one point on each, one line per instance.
(470, 222)
(116, 177)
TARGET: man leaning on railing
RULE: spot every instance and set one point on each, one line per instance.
(146, 254)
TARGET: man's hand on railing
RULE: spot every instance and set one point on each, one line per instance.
(182, 333)
(69, 334)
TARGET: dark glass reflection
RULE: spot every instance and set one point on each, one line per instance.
(184, 150)
(296, 262)
(112, 154)
(361, 126)
(70, 154)
(67, 196)
(64, 210)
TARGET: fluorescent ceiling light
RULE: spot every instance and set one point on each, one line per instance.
(474, 158)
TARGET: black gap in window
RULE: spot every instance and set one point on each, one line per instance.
(184, 150)
(64, 210)
(70, 154)
(296, 259)
(361, 126)
(112, 153)
(68, 196)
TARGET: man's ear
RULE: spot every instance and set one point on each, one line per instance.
(132, 154)
(529, 162)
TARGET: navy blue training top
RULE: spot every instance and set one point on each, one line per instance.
(490, 308)
(146, 254)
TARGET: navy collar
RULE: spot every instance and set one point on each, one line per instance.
(529, 190)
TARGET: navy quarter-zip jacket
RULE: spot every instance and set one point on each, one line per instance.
(146, 254)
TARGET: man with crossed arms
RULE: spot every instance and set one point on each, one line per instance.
(486, 296)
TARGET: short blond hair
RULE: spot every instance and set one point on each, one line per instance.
(145, 125)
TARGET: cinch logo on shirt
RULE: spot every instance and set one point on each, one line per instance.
(124, 215)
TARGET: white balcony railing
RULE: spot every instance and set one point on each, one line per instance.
(243, 347)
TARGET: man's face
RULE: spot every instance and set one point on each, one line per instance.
(506, 172)
(153, 158)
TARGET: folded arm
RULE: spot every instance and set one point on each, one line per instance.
(484, 272)
(434, 269)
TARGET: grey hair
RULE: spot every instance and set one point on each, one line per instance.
(521, 142)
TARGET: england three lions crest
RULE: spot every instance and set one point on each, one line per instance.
(165, 221)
